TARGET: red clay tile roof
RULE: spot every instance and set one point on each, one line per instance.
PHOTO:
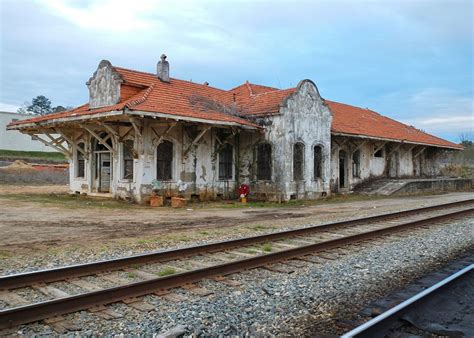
(192, 100)
(359, 121)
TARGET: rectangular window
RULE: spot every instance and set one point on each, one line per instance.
(298, 161)
(164, 161)
(225, 162)
(264, 162)
(80, 162)
(127, 156)
(318, 160)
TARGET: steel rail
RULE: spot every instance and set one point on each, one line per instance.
(38, 311)
(78, 270)
(373, 327)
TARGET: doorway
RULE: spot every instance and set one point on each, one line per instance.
(394, 165)
(342, 169)
(104, 171)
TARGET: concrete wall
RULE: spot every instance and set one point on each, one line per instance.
(14, 140)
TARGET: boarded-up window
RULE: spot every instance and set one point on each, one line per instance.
(127, 156)
(80, 171)
(318, 162)
(356, 164)
(264, 161)
(298, 161)
(164, 161)
(225, 162)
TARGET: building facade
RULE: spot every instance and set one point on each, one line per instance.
(142, 133)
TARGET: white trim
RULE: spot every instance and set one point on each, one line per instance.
(65, 119)
(186, 118)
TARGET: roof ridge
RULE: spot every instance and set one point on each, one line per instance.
(141, 97)
(272, 92)
(172, 78)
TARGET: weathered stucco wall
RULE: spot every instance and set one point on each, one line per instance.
(196, 169)
(305, 119)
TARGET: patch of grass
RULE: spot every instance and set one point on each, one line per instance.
(33, 155)
(257, 227)
(166, 272)
(5, 254)
(131, 275)
(267, 247)
(251, 251)
(72, 201)
(204, 233)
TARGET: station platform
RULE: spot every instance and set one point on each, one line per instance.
(413, 186)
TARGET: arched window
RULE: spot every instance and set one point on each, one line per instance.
(298, 161)
(356, 164)
(164, 161)
(127, 159)
(80, 162)
(225, 162)
(318, 162)
(264, 161)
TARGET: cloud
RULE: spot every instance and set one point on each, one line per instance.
(107, 15)
(441, 110)
(8, 107)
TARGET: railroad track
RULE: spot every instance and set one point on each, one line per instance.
(388, 322)
(124, 280)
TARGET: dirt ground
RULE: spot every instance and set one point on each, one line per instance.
(28, 224)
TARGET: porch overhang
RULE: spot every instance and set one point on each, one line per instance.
(394, 140)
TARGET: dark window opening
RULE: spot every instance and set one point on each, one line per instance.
(164, 161)
(225, 162)
(318, 162)
(298, 161)
(378, 153)
(264, 162)
(356, 164)
(81, 163)
(128, 160)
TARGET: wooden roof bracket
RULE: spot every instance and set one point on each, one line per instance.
(358, 146)
(419, 152)
(51, 144)
(160, 137)
(71, 141)
(379, 147)
(196, 139)
(103, 141)
(223, 143)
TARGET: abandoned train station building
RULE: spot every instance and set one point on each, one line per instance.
(143, 132)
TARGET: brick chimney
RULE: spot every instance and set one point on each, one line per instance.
(163, 69)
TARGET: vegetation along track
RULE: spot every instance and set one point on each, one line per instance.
(158, 272)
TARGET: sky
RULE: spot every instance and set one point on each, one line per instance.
(411, 60)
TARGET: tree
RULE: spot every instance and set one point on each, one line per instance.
(467, 139)
(40, 105)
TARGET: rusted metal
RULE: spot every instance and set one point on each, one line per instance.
(38, 311)
(62, 273)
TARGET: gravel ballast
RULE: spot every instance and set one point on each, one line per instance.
(311, 300)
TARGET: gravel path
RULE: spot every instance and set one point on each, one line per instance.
(310, 300)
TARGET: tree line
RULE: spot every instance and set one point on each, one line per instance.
(41, 105)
